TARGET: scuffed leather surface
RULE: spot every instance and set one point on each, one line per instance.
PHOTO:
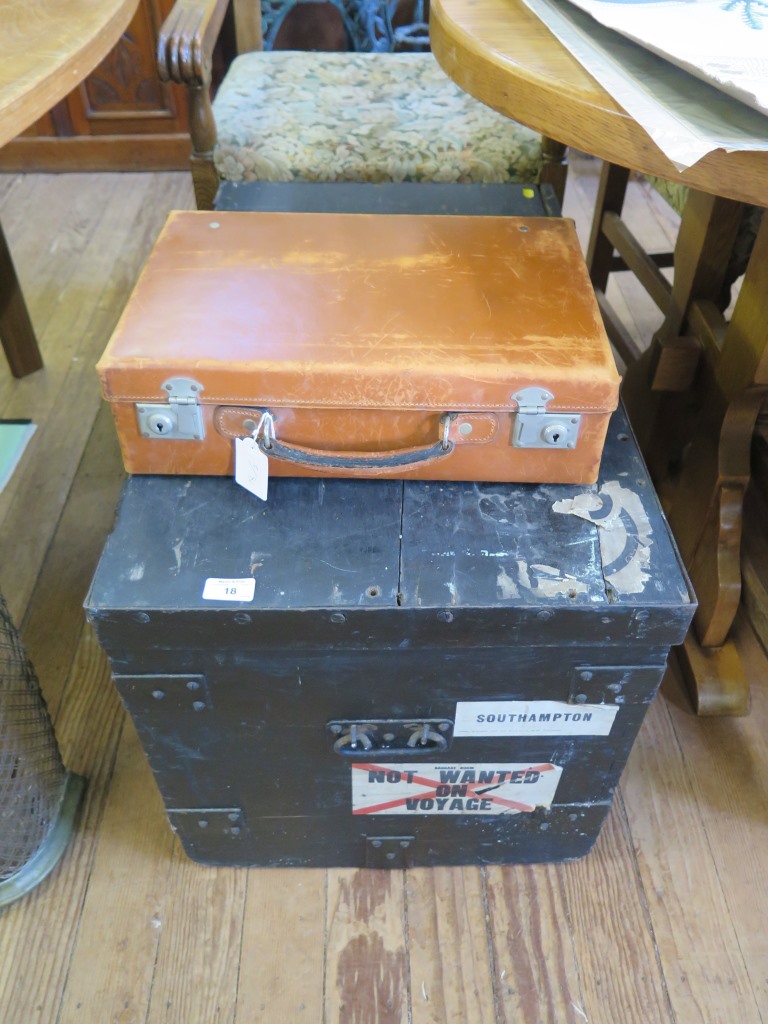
(357, 429)
(368, 311)
(361, 316)
(497, 460)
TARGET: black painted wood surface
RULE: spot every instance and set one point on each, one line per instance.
(379, 600)
(354, 544)
(389, 197)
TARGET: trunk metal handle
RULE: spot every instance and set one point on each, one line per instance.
(391, 737)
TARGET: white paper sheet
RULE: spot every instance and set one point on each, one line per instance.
(723, 43)
(685, 117)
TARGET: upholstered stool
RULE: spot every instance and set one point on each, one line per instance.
(288, 115)
(314, 116)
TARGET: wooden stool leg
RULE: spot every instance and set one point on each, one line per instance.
(16, 332)
(554, 166)
(600, 262)
(610, 199)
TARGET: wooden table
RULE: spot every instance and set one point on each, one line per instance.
(502, 54)
(46, 48)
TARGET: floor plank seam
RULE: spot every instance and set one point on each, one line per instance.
(407, 950)
(240, 948)
(324, 996)
(560, 879)
(491, 948)
(645, 904)
(691, 774)
(172, 861)
(88, 872)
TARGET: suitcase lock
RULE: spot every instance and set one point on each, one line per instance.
(401, 736)
(534, 427)
(180, 419)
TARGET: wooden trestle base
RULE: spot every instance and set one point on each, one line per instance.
(696, 434)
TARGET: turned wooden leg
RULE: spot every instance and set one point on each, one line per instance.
(16, 331)
(202, 129)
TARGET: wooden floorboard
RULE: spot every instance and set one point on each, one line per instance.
(707, 979)
(284, 908)
(536, 972)
(663, 923)
(38, 934)
(451, 961)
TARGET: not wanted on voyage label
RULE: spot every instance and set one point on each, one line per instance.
(453, 788)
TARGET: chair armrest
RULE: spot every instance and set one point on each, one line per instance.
(186, 40)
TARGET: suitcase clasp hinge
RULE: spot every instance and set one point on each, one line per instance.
(534, 427)
(180, 419)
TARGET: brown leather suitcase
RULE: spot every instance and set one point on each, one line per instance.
(439, 347)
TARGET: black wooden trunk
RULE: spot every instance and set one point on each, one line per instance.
(385, 606)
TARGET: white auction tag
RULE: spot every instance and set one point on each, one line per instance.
(217, 589)
(251, 467)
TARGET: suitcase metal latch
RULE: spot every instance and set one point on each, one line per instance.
(181, 419)
(534, 427)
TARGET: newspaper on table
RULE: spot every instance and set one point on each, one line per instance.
(685, 116)
(723, 42)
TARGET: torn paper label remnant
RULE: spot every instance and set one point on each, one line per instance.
(624, 533)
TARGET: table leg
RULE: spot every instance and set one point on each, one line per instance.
(16, 331)
(699, 443)
(657, 390)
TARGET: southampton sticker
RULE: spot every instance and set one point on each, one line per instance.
(532, 718)
(453, 788)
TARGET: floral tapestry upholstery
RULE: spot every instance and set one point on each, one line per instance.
(674, 194)
(291, 115)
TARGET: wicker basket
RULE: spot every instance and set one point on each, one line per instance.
(38, 797)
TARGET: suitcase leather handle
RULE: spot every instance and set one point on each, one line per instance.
(372, 462)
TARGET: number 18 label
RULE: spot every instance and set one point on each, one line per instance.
(216, 589)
